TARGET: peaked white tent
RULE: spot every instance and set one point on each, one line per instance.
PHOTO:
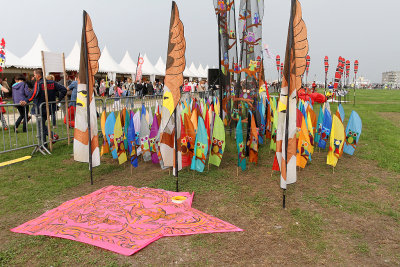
(127, 64)
(188, 73)
(11, 59)
(193, 70)
(107, 63)
(33, 58)
(73, 58)
(148, 68)
(160, 66)
(202, 71)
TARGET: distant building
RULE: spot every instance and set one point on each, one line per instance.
(391, 78)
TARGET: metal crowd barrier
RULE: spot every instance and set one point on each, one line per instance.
(12, 138)
(34, 136)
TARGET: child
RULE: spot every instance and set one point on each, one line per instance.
(2, 109)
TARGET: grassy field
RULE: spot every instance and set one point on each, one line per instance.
(351, 217)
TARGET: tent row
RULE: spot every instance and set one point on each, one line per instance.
(32, 59)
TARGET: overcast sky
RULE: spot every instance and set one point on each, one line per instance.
(355, 29)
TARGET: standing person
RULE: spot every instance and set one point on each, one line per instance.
(314, 86)
(102, 87)
(73, 88)
(150, 88)
(139, 89)
(2, 109)
(53, 107)
(5, 84)
(111, 90)
(38, 97)
(20, 93)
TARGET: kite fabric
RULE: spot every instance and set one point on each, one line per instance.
(295, 64)
(201, 147)
(353, 133)
(109, 131)
(325, 130)
(125, 219)
(253, 141)
(336, 141)
(218, 142)
(104, 147)
(119, 140)
(190, 140)
(303, 146)
(144, 138)
(240, 145)
(175, 66)
(132, 142)
(85, 102)
(136, 121)
(153, 141)
(319, 126)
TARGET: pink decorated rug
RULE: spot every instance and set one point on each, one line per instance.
(125, 219)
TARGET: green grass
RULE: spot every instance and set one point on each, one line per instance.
(43, 182)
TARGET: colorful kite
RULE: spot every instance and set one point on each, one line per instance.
(218, 142)
(240, 145)
(119, 140)
(104, 148)
(353, 133)
(125, 219)
(86, 143)
(173, 81)
(336, 142)
(109, 132)
(201, 148)
(132, 142)
(325, 130)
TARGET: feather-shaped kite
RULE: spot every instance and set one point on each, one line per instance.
(353, 133)
(175, 66)
(295, 64)
(253, 141)
(153, 141)
(86, 143)
(144, 138)
(303, 145)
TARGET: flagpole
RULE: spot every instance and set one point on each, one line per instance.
(220, 69)
(176, 149)
(88, 97)
(288, 96)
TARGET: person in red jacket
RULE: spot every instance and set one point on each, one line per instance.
(314, 86)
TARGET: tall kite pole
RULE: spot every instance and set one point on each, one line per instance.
(326, 64)
(355, 79)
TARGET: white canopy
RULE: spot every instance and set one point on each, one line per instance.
(107, 63)
(160, 66)
(148, 68)
(127, 64)
(202, 71)
(188, 73)
(11, 59)
(33, 58)
(73, 59)
(193, 70)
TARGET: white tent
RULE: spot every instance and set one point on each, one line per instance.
(11, 59)
(148, 68)
(202, 71)
(160, 66)
(33, 58)
(188, 73)
(127, 64)
(107, 63)
(73, 59)
(193, 70)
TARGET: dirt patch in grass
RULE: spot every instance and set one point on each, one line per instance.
(393, 117)
(347, 218)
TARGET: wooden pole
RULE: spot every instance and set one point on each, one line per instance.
(47, 103)
(66, 98)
